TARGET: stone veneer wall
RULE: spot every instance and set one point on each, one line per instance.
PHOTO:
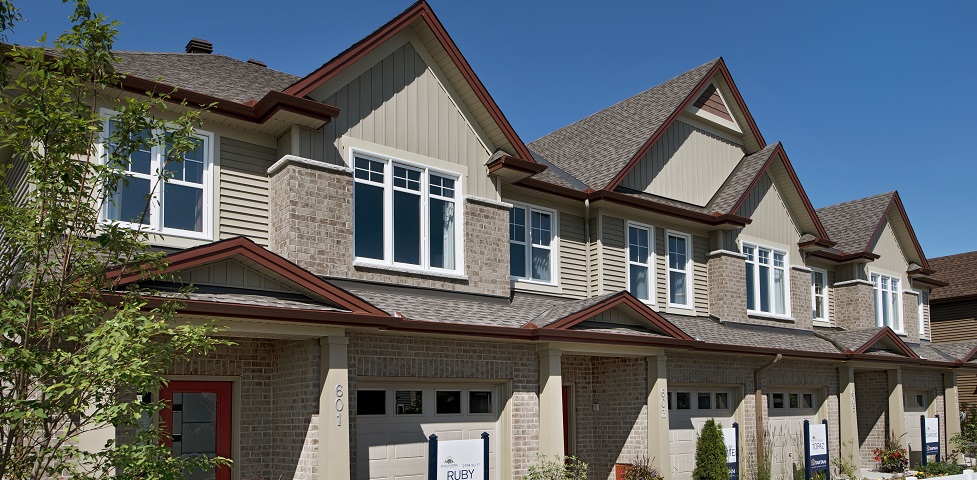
(871, 403)
(727, 291)
(800, 299)
(378, 355)
(854, 305)
(311, 224)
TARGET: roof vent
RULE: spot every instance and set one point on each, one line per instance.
(199, 45)
(257, 62)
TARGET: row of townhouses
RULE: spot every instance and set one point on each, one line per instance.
(392, 261)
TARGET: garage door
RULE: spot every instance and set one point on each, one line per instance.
(393, 423)
(787, 410)
(688, 409)
(917, 403)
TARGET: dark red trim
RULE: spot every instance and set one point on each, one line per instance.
(931, 281)
(242, 246)
(420, 10)
(514, 163)
(719, 67)
(970, 355)
(223, 415)
(909, 226)
(817, 242)
(845, 257)
(622, 298)
(887, 333)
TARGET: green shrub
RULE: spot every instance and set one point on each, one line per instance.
(937, 469)
(560, 468)
(710, 454)
(641, 469)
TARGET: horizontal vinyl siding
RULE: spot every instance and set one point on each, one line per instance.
(573, 256)
(831, 297)
(967, 389)
(700, 275)
(614, 264)
(686, 164)
(16, 181)
(244, 190)
(595, 252)
(661, 268)
(401, 104)
(954, 330)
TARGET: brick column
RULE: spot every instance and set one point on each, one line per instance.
(659, 451)
(951, 407)
(847, 414)
(727, 285)
(550, 402)
(854, 304)
(800, 297)
(333, 457)
(897, 408)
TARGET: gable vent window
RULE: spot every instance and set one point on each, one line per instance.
(405, 215)
(888, 302)
(532, 242)
(766, 280)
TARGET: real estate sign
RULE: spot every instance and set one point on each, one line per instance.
(458, 459)
(931, 440)
(816, 448)
(731, 438)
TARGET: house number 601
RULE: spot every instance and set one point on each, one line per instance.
(339, 404)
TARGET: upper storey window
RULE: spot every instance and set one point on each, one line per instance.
(405, 215)
(766, 280)
(888, 302)
(819, 295)
(532, 242)
(162, 193)
(640, 258)
(679, 269)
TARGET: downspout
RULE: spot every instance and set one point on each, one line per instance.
(586, 227)
(758, 406)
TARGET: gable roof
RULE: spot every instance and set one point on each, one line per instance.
(854, 224)
(244, 248)
(600, 149)
(958, 270)
(862, 341)
(422, 13)
(565, 316)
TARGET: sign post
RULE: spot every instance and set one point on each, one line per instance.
(458, 459)
(731, 437)
(931, 436)
(816, 450)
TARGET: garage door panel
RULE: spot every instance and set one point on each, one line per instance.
(684, 424)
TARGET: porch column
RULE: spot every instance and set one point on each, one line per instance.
(334, 460)
(847, 414)
(897, 406)
(659, 450)
(550, 402)
(951, 407)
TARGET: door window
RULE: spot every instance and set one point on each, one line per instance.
(197, 421)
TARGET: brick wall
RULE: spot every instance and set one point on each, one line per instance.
(871, 403)
(727, 291)
(311, 224)
(910, 317)
(578, 371)
(800, 298)
(854, 305)
(295, 396)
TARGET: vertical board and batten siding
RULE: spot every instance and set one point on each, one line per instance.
(244, 190)
(230, 273)
(617, 317)
(887, 247)
(686, 164)
(400, 103)
(573, 256)
(771, 219)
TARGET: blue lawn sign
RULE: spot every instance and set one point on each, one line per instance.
(816, 449)
(930, 428)
(731, 436)
(458, 459)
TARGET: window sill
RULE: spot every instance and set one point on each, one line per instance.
(528, 281)
(412, 271)
(769, 316)
(817, 322)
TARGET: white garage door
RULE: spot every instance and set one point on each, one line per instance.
(688, 409)
(787, 410)
(917, 403)
(393, 423)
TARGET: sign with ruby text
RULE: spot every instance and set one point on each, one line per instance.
(460, 460)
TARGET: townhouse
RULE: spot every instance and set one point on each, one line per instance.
(392, 261)
(955, 314)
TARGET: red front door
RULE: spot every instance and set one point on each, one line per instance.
(566, 420)
(197, 421)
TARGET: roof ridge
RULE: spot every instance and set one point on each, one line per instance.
(848, 202)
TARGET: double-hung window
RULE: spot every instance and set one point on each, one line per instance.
(405, 215)
(641, 271)
(679, 269)
(888, 302)
(819, 295)
(532, 242)
(161, 193)
(766, 280)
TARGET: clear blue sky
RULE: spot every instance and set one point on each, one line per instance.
(866, 96)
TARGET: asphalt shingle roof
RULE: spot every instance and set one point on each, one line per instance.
(211, 74)
(958, 270)
(851, 339)
(852, 224)
(729, 333)
(240, 296)
(596, 148)
(739, 180)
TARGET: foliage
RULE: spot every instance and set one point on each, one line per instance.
(891, 457)
(76, 349)
(937, 469)
(965, 442)
(642, 469)
(560, 468)
(846, 466)
(710, 453)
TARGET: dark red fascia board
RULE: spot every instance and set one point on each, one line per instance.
(931, 281)
(909, 226)
(845, 257)
(515, 163)
(258, 112)
(887, 333)
(818, 242)
(618, 299)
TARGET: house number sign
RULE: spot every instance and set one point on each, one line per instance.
(340, 405)
(664, 402)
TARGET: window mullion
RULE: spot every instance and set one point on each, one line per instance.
(156, 186)
(388, 194)
(425, 219)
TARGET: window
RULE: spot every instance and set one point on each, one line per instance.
(371, 402)
(405, 215)
(683, 400)
(679, 265)
(640, 270)
(181, 204)
(921, 312)
(532, 240)
(479, 402)
(197, 422)
(819, 295)
(705, 401)
(408, 402)
(888, 302)
(448, 402)
(766, 280)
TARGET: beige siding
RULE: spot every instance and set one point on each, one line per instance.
(573, 256)
(400, 103)
(244, 190)
(700, 274)
(686, 163)
(230, 273)
(595, 253)
(771, 219)
(661, 268)
(886, 245)
(616, 317)
(15, 180)
(831, 297)
(614, 265)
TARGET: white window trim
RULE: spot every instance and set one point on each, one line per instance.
(827, 291)
(877, 299)
(921, 313)
(651, 258)
(787, 315)
(689, 287)
(527, 244)
(388, 262)
(155, 206)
